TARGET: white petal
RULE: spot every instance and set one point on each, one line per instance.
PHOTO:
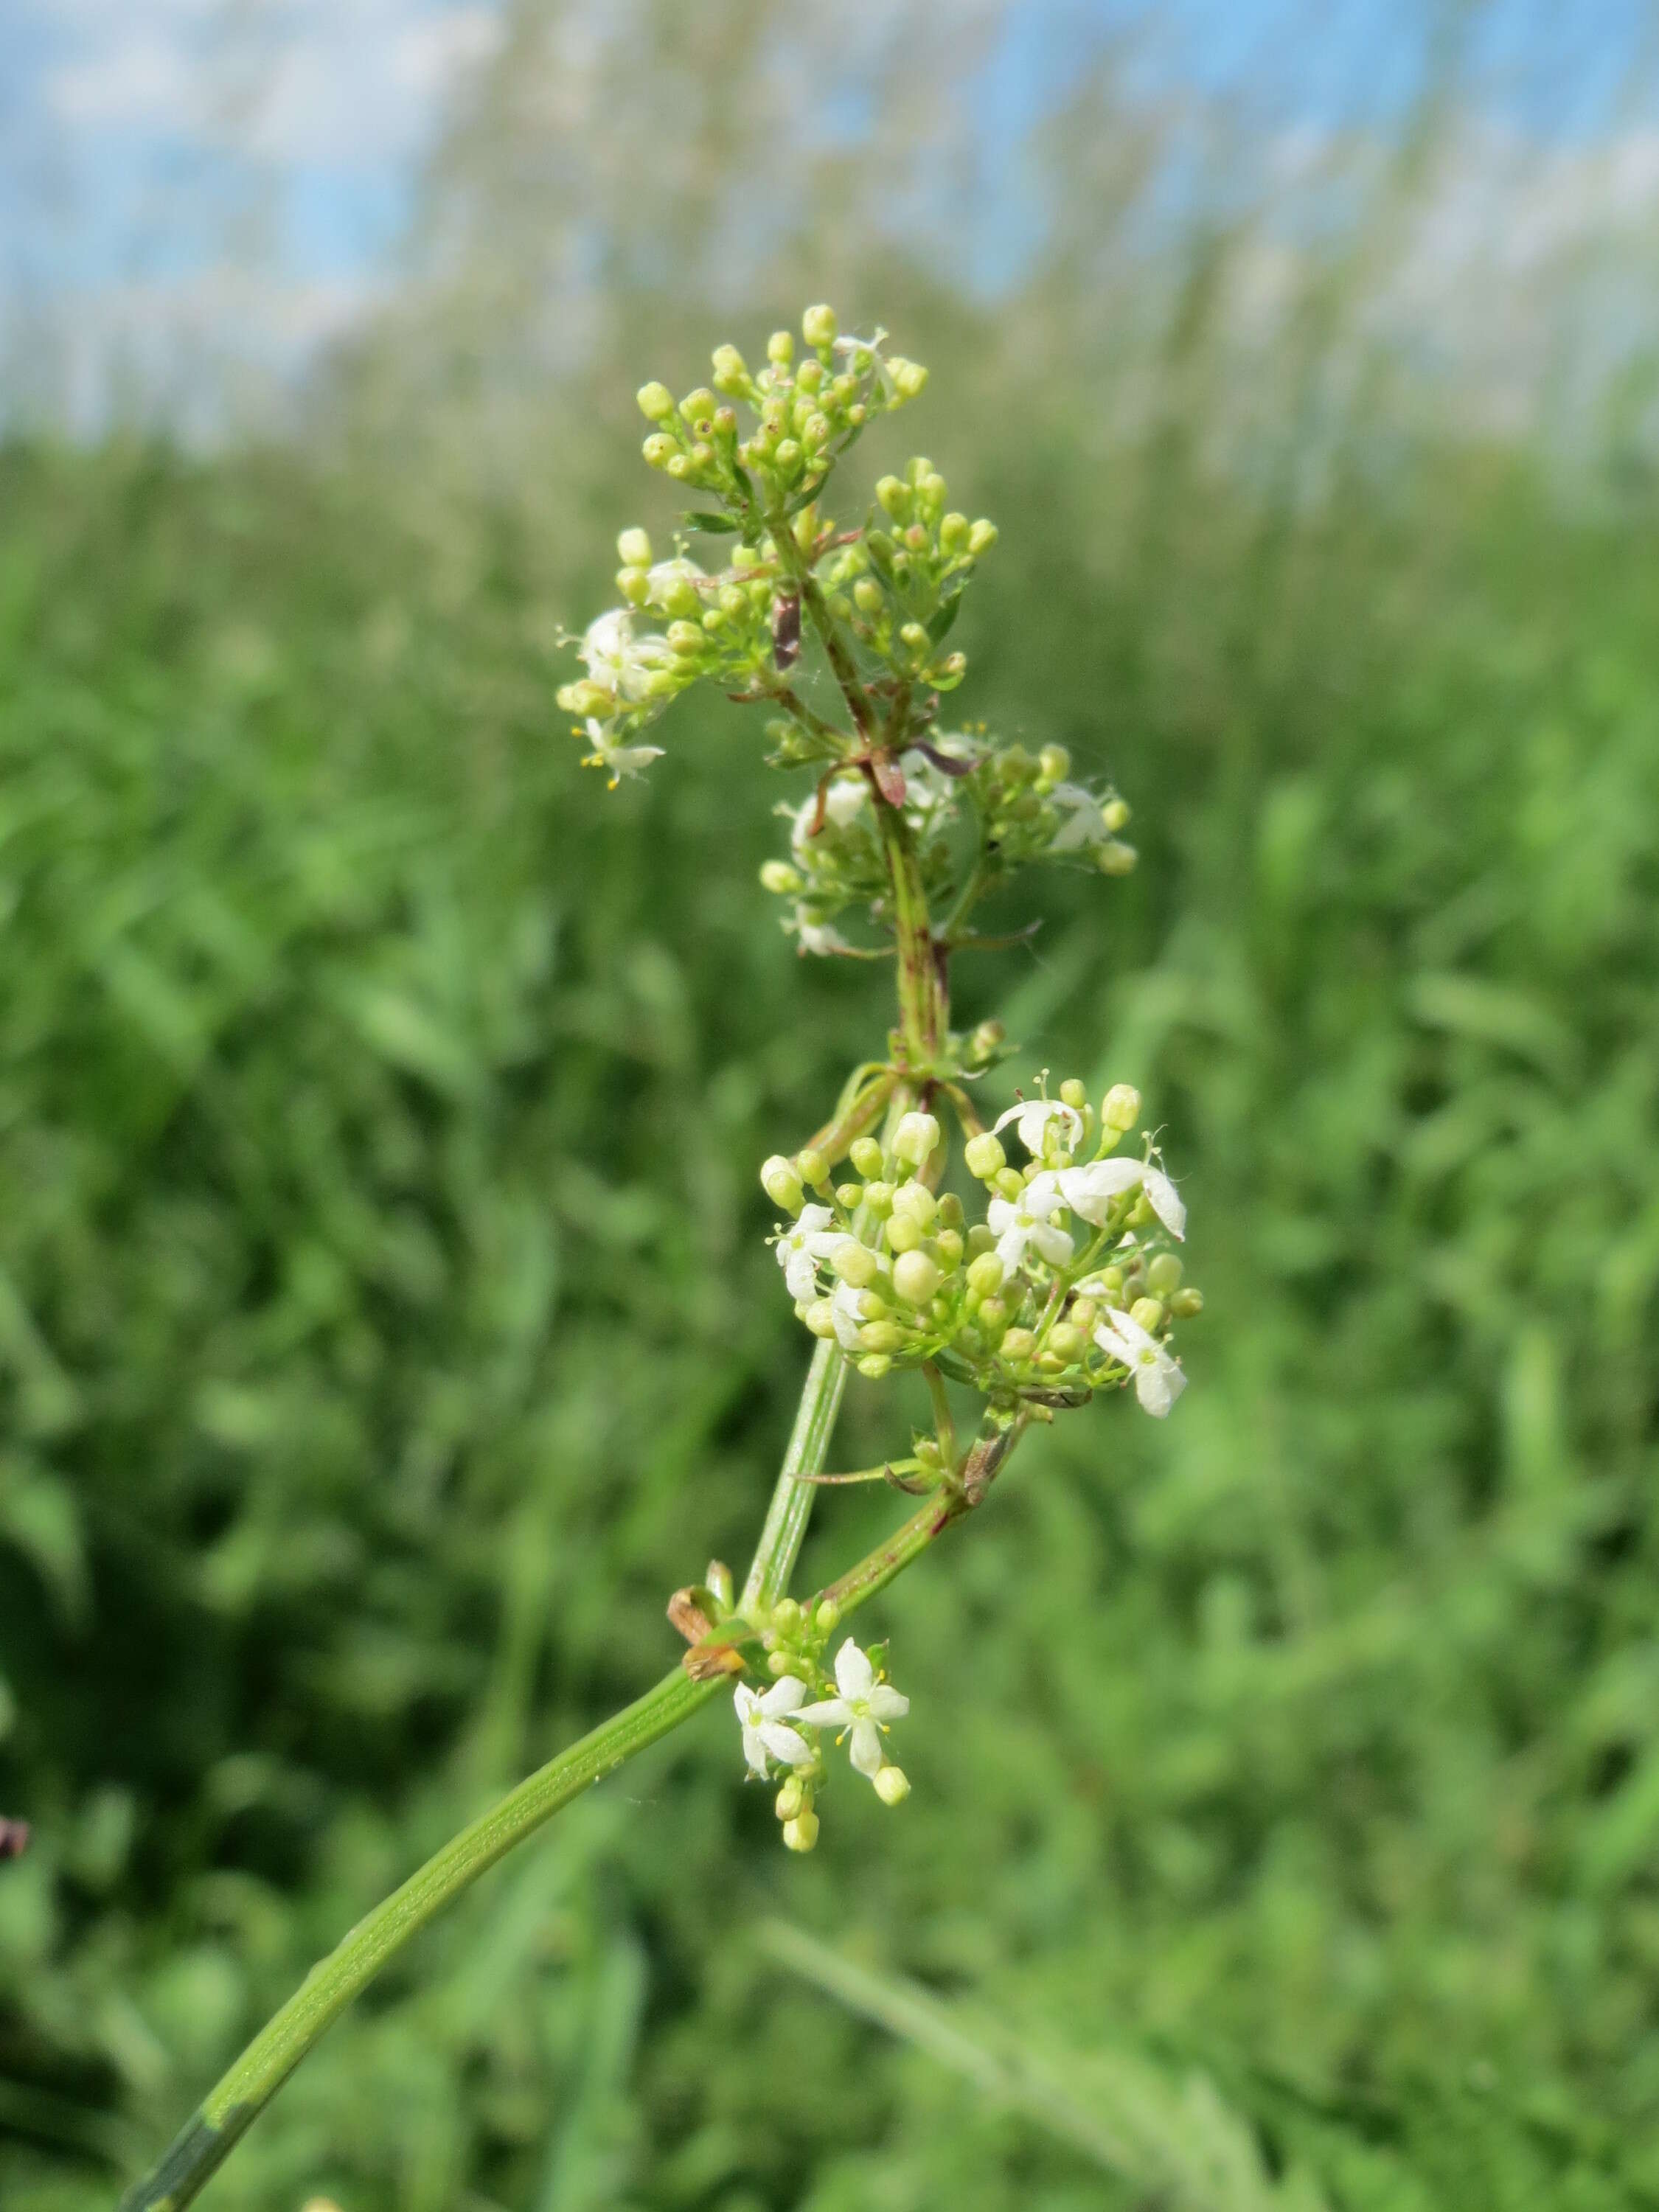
(1158, 1386)
(1084, 824)
(832, 1713)
(784, 1744)
(887, 1703)
(1124, 1339)
(854, 1672)
(754, 1750)
(785, 1694)
(747, 1701)
(1089, 1191)
(865, 1751)
(813, 1220)
(1165, 1201)
(1052, 1244)
(801, 1276)
(999, 1215)
(844, 799)
(1011, 1248)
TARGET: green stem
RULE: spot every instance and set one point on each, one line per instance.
(232, 2106)
(791, 1509)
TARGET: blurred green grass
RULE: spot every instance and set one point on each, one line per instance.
(386, 1328)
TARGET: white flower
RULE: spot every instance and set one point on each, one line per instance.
(617, 659)
(1089, 1191)
(765, 1733)
(819, 936)
(800, 1249)
(665, 584)
(851, 347)
(1032, 1117)
(842, 802)
(1084, 825)
(1158, 1379)
(865, 1707)
(846, 1311)
(618, 760)
(1027, 1221)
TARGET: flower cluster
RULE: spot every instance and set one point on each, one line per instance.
(782, 1726)
(1067, 1285)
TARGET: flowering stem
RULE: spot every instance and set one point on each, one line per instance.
(792, 1500)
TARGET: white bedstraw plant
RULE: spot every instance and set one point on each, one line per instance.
(1020, 1270)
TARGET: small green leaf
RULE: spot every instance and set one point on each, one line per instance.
(939, 627)
(711, 525)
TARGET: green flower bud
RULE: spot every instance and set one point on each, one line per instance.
(873, 1365)
(854, 1263)
(904, 1233)
(891, 1784)
(1017, 1345)
(1055, 762)
(1073, 1094)
(656, 404)
(1148, 1314)
(787, 456)
(676, 466)
(786, 1615)
(915, 1199)
(801, 1833)
(847, 1195)
(820, 1318)
(791, 1800)
(909, 377)
(948, 1245)
(780, 349)
(1119, 1109)
(1083, 1313)
(633, 550)
(584, 697)
(915, 1138)
(660, 449)
(685, 636)
(866, 1157)
(818, 327)
(984, 1156)
(731, 370)
(868, 597)
(982, 537)
(894, 497)
(885, 1336)
(1010, 1183)
(993, 1319)
(827, 1618)
(1067, 1342)
(985, 1275)
(1110, 1281)
(984, 1042)
(1115, 814)
(980, 1239)
(953, 533)
(809, 379)
(915, 1278)
(699, 405)
(634, 585)
(1163, 1274)
(782, 1183)
(779, 877)
(1114, 859)
(1187, 1304)
(879, 1197)
(945, 675)
(915, 636)
(811, 1166)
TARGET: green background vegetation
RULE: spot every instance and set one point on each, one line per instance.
(386, 1327)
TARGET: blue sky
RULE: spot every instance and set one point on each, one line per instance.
(145, 144)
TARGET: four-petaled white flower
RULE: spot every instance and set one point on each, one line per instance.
(847, 1312)
(842, 802)
(864, 1708)
(766, 1734)
(1158, 1379)
(617, 660)
(800, 1249)
(617, 760)
(1084, 825)
(1027, 1222)
(1032, 1118)
(1089, 1191)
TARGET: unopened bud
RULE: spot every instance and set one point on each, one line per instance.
(985, 1275)
(865, 1155)
(873, 1365)
(904, 1233)
(1073, 1094)
(818, 327)
(1116, 859)
(791, 1800)
(731, 370)
(909, 377)
(660, 449)
(1055, 762)
(992, 1318)
(1163, 1274)
(915, 1278)
(781, 1182)
(820, 1318)
(780, 349)
(984, 1156)
(811, 1166)
(633, 549)
(802, 1832)
(1067, 1342)
(1115, 814)
(891, 1784)
(945, 675)
(1187, 1303)
(894, 494)
(982, 537)
(854, 1263)
(656, 402)
(1017, 1345)
(827, 1618)
(1119, 1109)
(868, 597)
(879, 1197)
(918, 1202)
(948, 1244)
(778, 876)
(1147, 1314)
(915, 1138)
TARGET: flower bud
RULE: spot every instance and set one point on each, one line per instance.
(1055, 762)
(1114, 859)
(873, 1365)
(915, 1278)
(1163, 1274)
(1115, 814)
(801, 1833)
(947, 1242)
(787, 456)
(915, 1138)
(915, 636)
(854, 1263)
(984, 1156)
(634, 585)
(811, 1166)
(1017, 1345)
(791, 1800)
(1073, 1094)
(895, 496)
(820, 1318)
(1067, 1342)
(879, 1197)
(909, 377)
(982, 537)
(1119, 1109)
(656, 402)
(731, 370)
(865, 1155)
(660, 449)
(778, 1663)
(780, 349)
(847, 1195)
(868, 597)
(809, 379)
(1187, 1303)
(904, 1233)
(945, 675)
(1147, 1314)
(1083, 1313)
(886, 1336)
(699, 405)
(786, 1615)
(1011, 1184)
(633, 549)
(985, 1275)
(584, 697)
(992, 1318)
(818, 327)
(918, 1202)
(980, 1239)
(782, 1183)
(891, 1784)
(777, 876)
